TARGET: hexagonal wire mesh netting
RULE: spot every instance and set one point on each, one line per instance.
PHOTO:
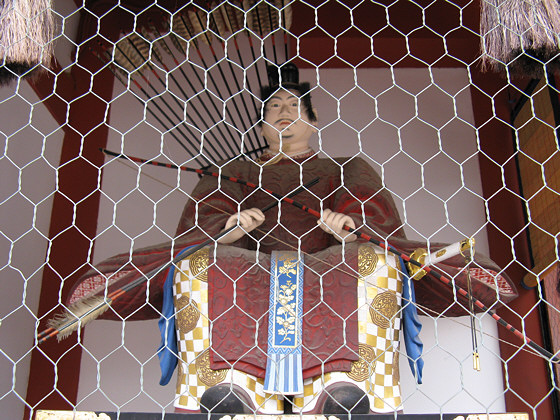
(435, 122)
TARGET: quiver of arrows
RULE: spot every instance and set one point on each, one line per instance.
(199, 72)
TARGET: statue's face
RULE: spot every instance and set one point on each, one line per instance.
(285, 116)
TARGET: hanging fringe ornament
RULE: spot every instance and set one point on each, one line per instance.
(26, 37)
(522, 35)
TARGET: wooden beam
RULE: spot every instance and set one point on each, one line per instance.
(79, 101)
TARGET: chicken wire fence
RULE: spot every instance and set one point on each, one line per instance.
(463, 142)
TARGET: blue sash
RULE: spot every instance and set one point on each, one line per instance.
(284, 357)
(168, 351)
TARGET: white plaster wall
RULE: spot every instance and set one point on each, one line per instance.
(417, 129)
(30, 144)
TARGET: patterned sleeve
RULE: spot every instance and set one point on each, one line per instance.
(363, 197)
(204, 215)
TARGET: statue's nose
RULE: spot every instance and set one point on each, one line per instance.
(285, 109)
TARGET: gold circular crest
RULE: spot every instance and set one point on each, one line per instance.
(383, 309)
(198, 264)
(187, 314)
(361, 368)
(206, 375)
(367, 260)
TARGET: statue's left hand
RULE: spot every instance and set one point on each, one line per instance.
(247, 220)
(333, 223)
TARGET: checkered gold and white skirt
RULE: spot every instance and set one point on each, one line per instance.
(379, 322)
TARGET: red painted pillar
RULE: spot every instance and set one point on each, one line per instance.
(526, 378)
(85, 93)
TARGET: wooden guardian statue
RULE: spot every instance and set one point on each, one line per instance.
(282, 303)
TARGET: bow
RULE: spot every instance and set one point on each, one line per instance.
(384, 244)
(86, 311)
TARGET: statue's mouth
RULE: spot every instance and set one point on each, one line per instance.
(284, 122)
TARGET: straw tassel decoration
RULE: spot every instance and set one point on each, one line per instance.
(26, 37)
(520, 34)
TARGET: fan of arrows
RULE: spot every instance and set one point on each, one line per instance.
(198, 73)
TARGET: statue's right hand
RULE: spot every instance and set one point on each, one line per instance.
(247, 220)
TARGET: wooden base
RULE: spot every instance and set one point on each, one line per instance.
(82, 415)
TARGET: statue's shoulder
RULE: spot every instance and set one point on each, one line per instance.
(235, 166)
(353, 163)
(357, 170)
(352, 160)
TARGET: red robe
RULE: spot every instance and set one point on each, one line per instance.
(348, 186)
